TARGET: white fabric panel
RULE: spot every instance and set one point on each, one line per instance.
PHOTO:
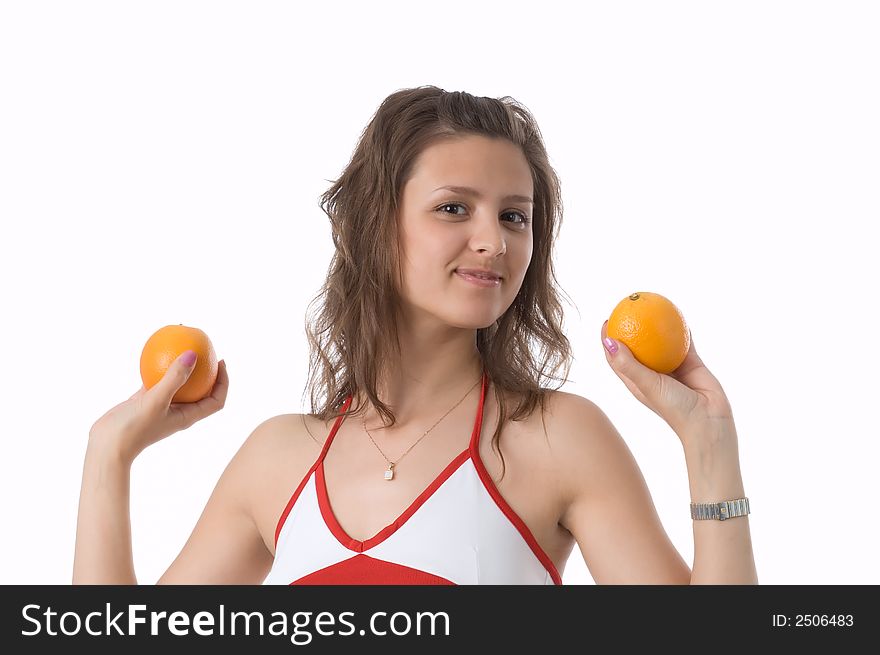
(458, 533)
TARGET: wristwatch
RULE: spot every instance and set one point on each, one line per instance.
(726, 509)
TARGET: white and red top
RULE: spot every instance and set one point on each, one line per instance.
(458, 531)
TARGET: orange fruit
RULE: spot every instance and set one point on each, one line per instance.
(653, 328)
(167, 344)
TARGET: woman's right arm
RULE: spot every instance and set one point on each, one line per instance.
(103, 529)
(103, 552)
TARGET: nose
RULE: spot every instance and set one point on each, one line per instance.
(488, 236)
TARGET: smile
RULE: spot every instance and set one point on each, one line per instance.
(479, 281)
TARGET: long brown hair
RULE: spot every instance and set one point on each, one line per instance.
(355, 331)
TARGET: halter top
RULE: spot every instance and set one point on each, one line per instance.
(459, 530)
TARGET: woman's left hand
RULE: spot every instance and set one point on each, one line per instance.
(690, 399)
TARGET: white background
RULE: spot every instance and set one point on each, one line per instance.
(161, 163)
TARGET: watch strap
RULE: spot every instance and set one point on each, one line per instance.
(721, 511)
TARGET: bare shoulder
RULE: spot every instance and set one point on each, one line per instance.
(283, 430)
(287, 434)
(561, 412)
(276, 449)
(228, 544)
(607, 505)
(571, 414)
(282, 449)
(272, 440)
(584, 443)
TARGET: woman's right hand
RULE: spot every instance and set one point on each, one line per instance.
(149, 415)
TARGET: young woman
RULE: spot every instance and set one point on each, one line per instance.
(432, 454)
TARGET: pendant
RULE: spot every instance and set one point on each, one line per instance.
(389, 474)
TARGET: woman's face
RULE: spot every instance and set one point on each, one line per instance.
(442, 230)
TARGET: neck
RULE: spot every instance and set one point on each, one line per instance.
(417, 394)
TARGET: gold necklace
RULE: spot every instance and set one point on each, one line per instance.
(389, 472)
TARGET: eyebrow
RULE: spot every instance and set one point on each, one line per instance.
(468, 191)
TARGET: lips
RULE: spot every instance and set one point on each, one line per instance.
(483, 275)
(484, 282)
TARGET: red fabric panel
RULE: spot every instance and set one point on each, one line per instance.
(365, 570)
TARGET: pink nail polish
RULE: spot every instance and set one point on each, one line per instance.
(610, 345)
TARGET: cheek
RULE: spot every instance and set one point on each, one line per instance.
(430, 254)
(424, 269)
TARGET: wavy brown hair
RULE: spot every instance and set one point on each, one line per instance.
(355, 329)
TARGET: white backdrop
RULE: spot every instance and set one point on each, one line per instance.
(161, 163)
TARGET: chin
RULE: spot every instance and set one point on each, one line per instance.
(472, 322)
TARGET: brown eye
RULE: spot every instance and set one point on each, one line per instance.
(450, 204)
(524, 220)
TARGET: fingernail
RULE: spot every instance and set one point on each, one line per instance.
(188, 358)
(610, 345)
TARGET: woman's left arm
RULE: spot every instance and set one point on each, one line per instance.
(722, 549)
(692, 402)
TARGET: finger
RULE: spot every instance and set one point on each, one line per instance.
(217, 399)
(190, 413)
(691, 361)
(174, 378)
(644, 383)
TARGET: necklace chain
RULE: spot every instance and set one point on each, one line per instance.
(389, 473)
